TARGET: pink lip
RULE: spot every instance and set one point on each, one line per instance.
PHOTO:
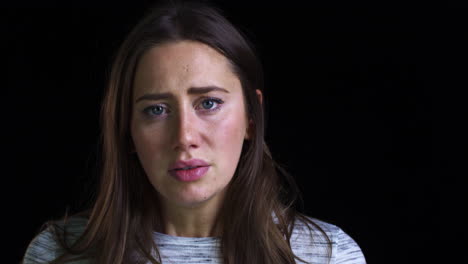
(189, 175)
(200, 169)
(188, 163)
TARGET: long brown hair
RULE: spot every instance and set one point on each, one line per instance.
(259, 211)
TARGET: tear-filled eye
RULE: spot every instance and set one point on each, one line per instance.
(208, 104)
(155, 110)
(211, 104)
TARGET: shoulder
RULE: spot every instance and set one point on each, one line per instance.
(316, 240)
(45, 246)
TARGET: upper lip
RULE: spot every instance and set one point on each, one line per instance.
(188, 163)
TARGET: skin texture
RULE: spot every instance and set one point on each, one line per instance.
(184, 128)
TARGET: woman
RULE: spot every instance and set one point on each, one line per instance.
(187, 176)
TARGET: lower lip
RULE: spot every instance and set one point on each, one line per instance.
(189, 175)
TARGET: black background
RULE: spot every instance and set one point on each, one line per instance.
(365, 108)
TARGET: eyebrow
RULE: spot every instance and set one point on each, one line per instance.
(191, 90)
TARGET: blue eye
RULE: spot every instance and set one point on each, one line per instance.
(154, 110)
(208, 104)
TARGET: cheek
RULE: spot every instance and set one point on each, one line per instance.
(149, 144)
(228, 136)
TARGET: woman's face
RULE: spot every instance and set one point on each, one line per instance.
(187, 104)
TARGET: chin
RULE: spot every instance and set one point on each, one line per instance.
(192, 203)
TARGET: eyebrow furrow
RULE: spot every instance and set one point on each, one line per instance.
(191, 90)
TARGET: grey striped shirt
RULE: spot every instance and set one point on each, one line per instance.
(43, 248)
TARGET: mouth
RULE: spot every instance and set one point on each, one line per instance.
(189, 173)
(182, 165)
(188, 168)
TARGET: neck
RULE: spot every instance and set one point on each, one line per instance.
(201, 220)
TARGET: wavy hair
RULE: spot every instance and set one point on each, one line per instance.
(259, 211)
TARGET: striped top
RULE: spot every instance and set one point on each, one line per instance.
(173, 249)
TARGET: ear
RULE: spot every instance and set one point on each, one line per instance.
(249, 131)
(259, 95)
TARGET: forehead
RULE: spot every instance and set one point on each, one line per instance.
(180, 65)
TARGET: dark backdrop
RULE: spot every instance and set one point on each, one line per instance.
(364, 108)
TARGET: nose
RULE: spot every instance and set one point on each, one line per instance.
(185, 131)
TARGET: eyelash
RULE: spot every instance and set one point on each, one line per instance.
(218, 101)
